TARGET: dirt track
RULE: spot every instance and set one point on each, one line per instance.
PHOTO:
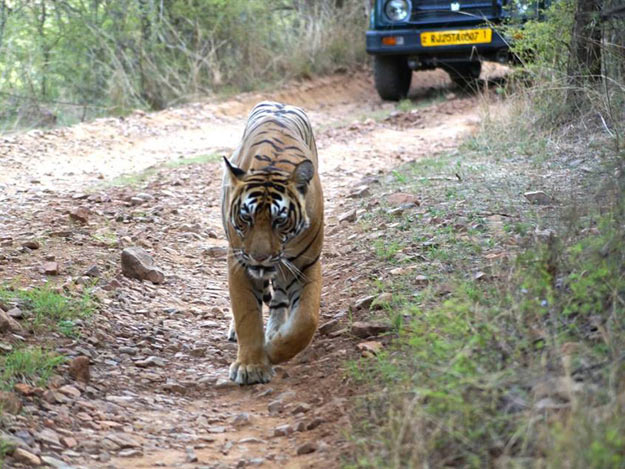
(180, 405)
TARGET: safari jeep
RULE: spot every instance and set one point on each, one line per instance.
(456, 36)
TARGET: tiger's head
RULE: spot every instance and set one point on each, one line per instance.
(267, 210)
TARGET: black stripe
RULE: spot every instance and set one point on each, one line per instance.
(291, 259)
(279, 305)
(287, 161)
(307, 266)
(277, 122)
(262, 157)
(275, 147)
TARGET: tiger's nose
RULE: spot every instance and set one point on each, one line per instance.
(261, 257)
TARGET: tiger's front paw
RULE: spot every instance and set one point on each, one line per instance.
(250, 373)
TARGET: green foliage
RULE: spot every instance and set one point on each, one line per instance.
(30, 364)
(386, 250)
(5, 448)
(543, 44)
(590, 440)
(50, 308)
(200, 159)
(460, 386)
(61, 61)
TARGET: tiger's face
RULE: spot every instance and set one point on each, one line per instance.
(268, 210)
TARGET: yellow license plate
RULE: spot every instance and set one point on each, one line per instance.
(461, 36)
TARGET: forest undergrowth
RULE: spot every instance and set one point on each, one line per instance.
(508, 294)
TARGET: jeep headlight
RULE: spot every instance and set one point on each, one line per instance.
(397, 10)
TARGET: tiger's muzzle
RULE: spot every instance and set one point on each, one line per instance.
(262, 268)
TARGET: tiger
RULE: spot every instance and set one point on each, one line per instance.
(272, 214)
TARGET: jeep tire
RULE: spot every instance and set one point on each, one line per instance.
(464, 74)
(392, 76)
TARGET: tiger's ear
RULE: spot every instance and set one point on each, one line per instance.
(302, 175)
(236, 174)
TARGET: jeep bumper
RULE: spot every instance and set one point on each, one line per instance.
(408, 42)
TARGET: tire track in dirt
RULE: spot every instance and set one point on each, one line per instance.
(180, 410)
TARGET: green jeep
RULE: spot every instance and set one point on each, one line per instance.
(456, 36)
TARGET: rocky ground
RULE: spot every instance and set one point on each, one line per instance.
(157, 394)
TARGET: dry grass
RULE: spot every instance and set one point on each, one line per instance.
(511, 354)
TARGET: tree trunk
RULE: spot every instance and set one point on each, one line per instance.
(585, 51)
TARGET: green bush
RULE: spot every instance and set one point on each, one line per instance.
(111, 57)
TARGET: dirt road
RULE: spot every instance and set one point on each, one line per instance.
(159, 394)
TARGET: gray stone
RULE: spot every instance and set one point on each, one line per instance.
(216, 252)
(283, 430)
(329, 326)
(48, 436)
(307, 448)
(8, 324)
(16, 313)
(137, 263)
(275, 407)
(191, 456)
(151, 361)
(26, 457)
(10, 402)
(130, 453)
(349, 216)
(365, 302)
(56, 463)
(538, 198)
(364, 329)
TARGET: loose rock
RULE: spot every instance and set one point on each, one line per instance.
(26, 457)
(370, 348)
(79, 369)
(10, 402)
(349, 216)
(49, 436)
(137, 263)
(8, 324)
(50, 268)
(301, 409)
(191, 456)
(368, 329)
(56, 463)
(381, 300)
(307, 448)
(283, 430)
(329, 326)
(275, 407)
(79, 214)
(538, 198)
(401, 198)
(31, 244)
(365, 302)
(93, 271)
(241, 419)
(151, 361)
(216, 252)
